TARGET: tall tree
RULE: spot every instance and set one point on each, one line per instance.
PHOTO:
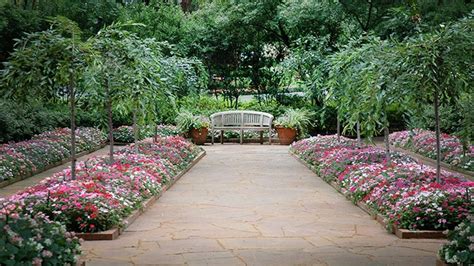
(50, 64)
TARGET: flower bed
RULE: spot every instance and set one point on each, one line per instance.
(28, 157)
(402, 191)
(104, 194)
(424, 142)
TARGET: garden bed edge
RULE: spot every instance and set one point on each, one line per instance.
(114, 233)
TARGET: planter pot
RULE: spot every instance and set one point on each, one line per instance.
(199, 135)
(286, 135)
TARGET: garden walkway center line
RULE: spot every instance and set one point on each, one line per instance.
(256, 205)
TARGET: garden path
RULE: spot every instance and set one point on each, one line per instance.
(256, 205)
(30, 181)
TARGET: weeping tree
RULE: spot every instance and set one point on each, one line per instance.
(437, 67)
(374, 88)
(143, 84)
(107, 78)
(342, 92)
(50, 65)
(129, 74)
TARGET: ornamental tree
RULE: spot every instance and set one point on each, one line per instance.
(127, 73)
(50, 65)
(437, 67)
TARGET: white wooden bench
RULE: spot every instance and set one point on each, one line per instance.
(242, 120)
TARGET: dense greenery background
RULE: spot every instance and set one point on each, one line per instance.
(379, 63)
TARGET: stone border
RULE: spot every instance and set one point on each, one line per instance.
(400, 233)
(466, 173)
(114, 233)
(48, 167)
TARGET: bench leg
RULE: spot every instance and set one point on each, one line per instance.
(261, 137)
(270, 136)
(222, 136)
(241, 136)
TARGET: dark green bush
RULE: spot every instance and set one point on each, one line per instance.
(22, 121)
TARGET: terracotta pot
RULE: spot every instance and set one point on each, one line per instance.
(286, 135)
(199, 135)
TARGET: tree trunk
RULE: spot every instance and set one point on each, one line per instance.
(386, 133)
(437, 129)
(135, 129)
(359, 140)
(338, 125)
(110, 123)
(73, 129)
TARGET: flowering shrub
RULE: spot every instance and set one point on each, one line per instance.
(424, 142)
(124, 134)
(405, 192)
(167, 131)
(459, 248)
(27, 240)
(26, 157)
(103, 194)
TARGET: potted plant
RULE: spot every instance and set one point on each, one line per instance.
(195, 125)
(292, 123)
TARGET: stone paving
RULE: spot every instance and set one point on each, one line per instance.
(256, 205)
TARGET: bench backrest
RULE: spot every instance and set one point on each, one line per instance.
(241, 119)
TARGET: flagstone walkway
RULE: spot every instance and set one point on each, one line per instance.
(256, 205)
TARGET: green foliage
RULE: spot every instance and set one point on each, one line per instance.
(47, 64)
(185, 121)
(164, 22)
(299, 119)
(457, 118)
(28, 240)
(20, 121)
(19, 17)
(459, 248)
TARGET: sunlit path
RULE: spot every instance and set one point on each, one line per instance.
(256, 205)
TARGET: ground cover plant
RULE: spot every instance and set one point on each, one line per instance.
(424, 142)
(25, 157)
(402, 190)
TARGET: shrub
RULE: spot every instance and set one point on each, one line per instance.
(167, 131)
(124, 134)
